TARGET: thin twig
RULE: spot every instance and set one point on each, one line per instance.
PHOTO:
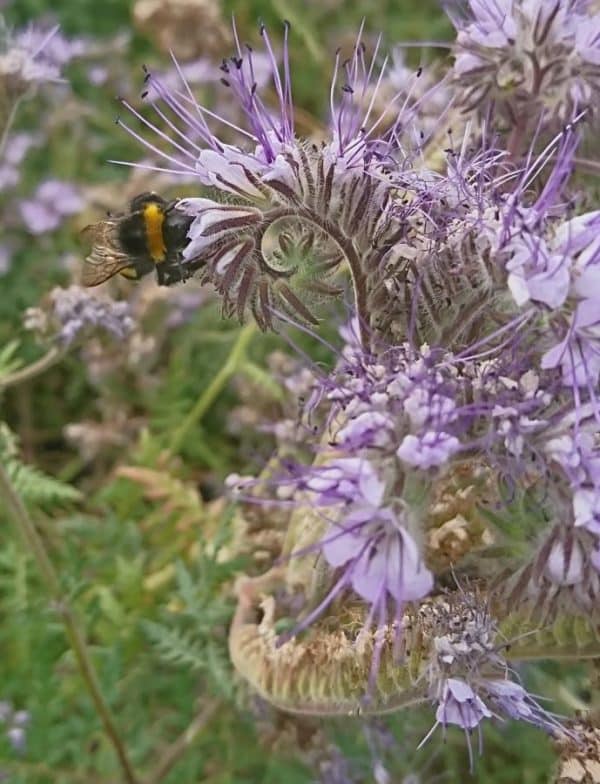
(42, 364)
(18, 512)
(593, 167)
(179, 747)
(10, 118)
(212, 391)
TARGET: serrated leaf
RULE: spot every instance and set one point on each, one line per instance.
(36, 488)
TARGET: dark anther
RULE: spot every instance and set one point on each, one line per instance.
(253, 88)
(347, 89)
(144, 94)
(237, 61)
(225, 82)
(224, 66)
(419, 71)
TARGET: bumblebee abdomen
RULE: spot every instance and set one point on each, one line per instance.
(132, 235)
(154, 218)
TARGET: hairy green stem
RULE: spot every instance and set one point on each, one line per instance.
(10, 118)
(42, 364)
(516, 138)
(358, 279)
(24, 523)
(211, 392)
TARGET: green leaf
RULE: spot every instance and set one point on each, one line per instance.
(35, 488)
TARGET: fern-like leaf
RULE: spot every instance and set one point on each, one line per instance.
(177, 647)
(36, 488)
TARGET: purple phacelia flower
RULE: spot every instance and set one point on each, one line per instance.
(380, 557)
(537, 274)
(458, 704)
(346, 480)
(578, 353)
(586, 509)
(430, 449)
(17, 737)
(52, 202)
(13, 153)
(16, 723)
(368, 540)
(467, 675)
(548, 271)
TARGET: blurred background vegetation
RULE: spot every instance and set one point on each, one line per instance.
(134, 455)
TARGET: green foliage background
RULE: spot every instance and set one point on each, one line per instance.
(132, 550)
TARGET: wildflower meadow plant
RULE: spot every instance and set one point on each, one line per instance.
(430, 516)
(476, 349)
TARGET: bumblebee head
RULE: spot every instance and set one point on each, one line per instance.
(143, 199)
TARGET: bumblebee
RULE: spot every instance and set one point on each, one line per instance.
(152, 235)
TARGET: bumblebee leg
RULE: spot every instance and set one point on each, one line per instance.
(161, 274)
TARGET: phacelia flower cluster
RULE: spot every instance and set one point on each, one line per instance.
(475, 343)
(523, 54)
(467, 675)
(73, 313)
(30, 57)
(290, 214)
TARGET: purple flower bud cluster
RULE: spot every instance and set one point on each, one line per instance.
(15, 724)
(51, 203)
(527, 53)
(14, 153)
(467, 675)
(74, 312)
(31, 57)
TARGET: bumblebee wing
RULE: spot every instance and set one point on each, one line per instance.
(106, 258)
